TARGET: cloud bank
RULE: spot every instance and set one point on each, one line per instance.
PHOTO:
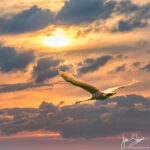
(101, 119)
(79, 13)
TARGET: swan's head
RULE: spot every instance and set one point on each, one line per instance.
(110, 94)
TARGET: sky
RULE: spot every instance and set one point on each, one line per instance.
(103, 42)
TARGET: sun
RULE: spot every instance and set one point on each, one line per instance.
(59, 39)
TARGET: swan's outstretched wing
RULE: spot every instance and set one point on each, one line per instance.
(110, 90)
(78, 82)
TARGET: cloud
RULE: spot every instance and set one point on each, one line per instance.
(90, 64)
(137, 19)
(136, 64)
(48, 107)
(146, 67)
(6, 88)
(101, 119)
(11, 60)
(119, 69)
(28, 20)
(130, 24)
(126, 6)
(76, 12)
(46, 68)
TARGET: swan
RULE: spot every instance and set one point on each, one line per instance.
(96, 94)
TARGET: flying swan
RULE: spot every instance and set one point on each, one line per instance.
(96, 94)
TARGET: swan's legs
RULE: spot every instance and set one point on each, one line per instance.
(83, 100)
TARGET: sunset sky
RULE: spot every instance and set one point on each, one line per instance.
(103, 42)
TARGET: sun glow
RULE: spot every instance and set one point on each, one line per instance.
(59, 39)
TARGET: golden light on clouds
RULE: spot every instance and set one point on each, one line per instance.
(59, 39)
(10, 8)
(29, 134)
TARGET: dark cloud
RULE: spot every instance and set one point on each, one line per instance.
(28, 20)
(65, 67)
(76, 12)
(48, 107)
(120, 56)
(130, 24)
(126, 6)
(119, 69)
(46, 68)
(90, 64)
(146, 67)
(138, 18)
(101, 119)
(5, 88)
(11, 60)
(136, 64)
